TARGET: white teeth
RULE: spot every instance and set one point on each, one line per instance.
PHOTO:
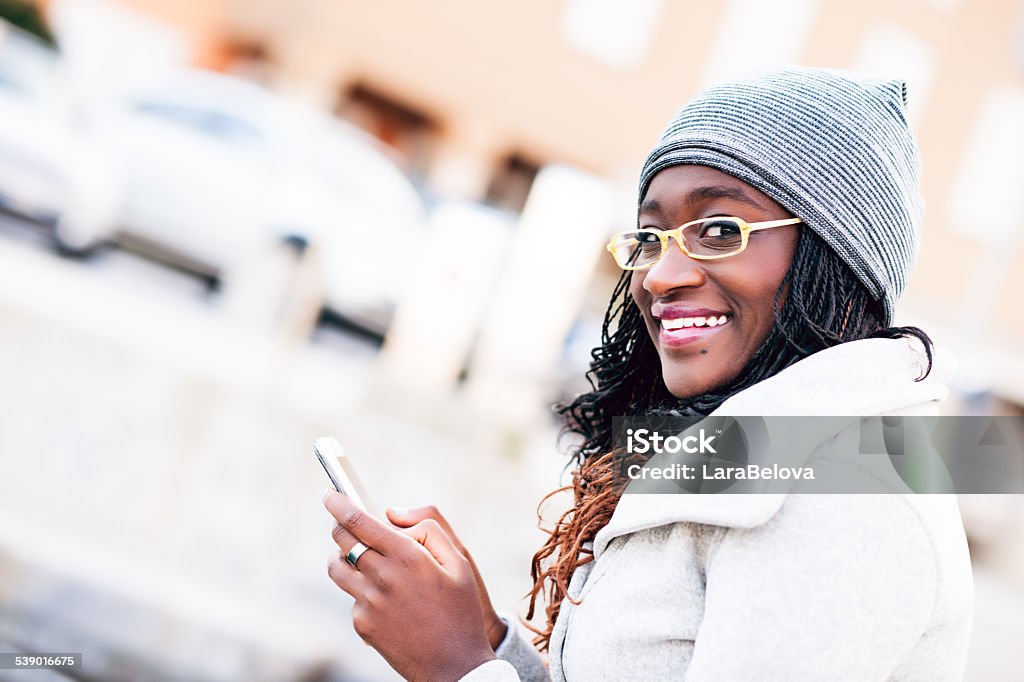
(681, 322)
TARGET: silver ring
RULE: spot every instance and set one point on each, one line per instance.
(353, 554)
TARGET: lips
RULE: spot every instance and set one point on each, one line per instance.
(672, 312)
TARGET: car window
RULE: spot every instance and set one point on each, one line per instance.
(219, 125)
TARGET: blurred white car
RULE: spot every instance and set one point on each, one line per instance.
(48, 171)
(212, 167)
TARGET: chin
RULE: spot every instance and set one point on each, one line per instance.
(687, 382)
(684, 387)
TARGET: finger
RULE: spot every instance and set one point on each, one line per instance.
(346, 577)
(430, 534)
(405, 518)
(366, 529)
(368, 562)
(344, 539)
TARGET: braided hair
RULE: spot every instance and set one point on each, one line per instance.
(819, 304)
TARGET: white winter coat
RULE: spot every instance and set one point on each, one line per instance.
(798, 587)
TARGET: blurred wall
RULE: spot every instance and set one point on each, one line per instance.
(591, 84)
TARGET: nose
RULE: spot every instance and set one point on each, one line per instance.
(674, 270)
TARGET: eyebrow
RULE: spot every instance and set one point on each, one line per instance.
(706, 193)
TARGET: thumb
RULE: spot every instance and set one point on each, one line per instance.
(403, 517)
(400, 516)
(430, 534)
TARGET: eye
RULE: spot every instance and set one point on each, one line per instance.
(720, 229)
(637, 248)
(714, 237)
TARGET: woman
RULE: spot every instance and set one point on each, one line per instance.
(784, 310)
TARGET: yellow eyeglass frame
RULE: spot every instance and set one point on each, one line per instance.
(677, 234)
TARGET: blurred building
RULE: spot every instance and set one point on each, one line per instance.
(480, 96)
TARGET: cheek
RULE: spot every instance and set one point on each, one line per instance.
(769, 258)
(636, 283)
(758, 293)
(636, 290)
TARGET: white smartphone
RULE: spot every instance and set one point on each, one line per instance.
(342, 474)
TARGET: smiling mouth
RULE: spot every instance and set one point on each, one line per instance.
(677, 323)
(682, 331)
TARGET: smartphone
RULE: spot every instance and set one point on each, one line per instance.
(342, 474)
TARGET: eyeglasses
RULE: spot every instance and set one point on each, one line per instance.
(704, 239)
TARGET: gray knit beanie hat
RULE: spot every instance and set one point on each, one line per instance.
(831, 147)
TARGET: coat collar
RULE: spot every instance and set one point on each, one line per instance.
(859, 378)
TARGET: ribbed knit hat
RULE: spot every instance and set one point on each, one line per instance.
(831, 147)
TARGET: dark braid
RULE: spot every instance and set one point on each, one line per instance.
(819, 304)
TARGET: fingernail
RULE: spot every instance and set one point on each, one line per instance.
(327, 491)
(399, 511)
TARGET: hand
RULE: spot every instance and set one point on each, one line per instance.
(403, 518)
(416, 597)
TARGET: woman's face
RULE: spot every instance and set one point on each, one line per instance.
(742, 288)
